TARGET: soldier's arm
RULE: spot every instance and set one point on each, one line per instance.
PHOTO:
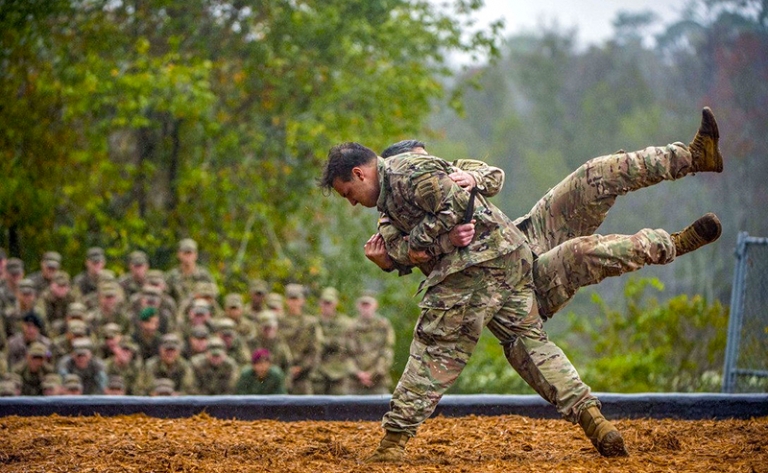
(488, 179)
(443, 203)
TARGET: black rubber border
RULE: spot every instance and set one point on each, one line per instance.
(354, 408)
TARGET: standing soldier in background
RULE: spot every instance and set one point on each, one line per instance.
(305, 337)
(258, 290)
(56, 300)
(372, 344)
(181, 279)
(50, 263)
(215, 372)
(110, 309)
(136, 277)
(88, 281)
(14, 273)
(332, 373)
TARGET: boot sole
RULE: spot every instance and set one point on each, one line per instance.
(612, 446)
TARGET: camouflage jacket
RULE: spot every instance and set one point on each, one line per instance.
(421, 200)
(304, 338)
(215, 380)
(372, 344)
(131, 373)
(180, 372)
(335, 362)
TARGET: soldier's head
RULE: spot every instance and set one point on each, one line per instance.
(52, 385)
(267, 320)
(163, 387)
(156, 278)
(95, 260)
(187, 253)
(294, 298)
(261, 360)
(274, 302)
(14, 271)
(258, 289)
(405, 146)
(151, 296)
(138, 265)
(76, 311)
(170, 348)
(73, 385)
(27, 293)
(367, 305)
(199, 312)
(112, 334)
(216, 351)
(125, 352)
(32, 325)
(329, 300)
(50, 263)
(60, 285)
(352, 171)
(115, 386)
(227, 330)
(233, 305)
(198, 339)
(82, 352)
(110, 295)
(36, 356)
(76, 328)
(149, 320)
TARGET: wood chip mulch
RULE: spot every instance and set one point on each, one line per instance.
(469, 444)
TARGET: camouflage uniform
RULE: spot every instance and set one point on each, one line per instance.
(335, 366)
(215, 379)
(180, 372)
(181, 286)
(131, 374)
(306, 338)
(371, 346)
(490, 282)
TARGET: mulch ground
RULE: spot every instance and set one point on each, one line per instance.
(468, 444)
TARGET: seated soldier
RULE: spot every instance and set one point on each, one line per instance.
(215, 372)
(169, 364)
(34, 369)
(89, 369)
(261, 377)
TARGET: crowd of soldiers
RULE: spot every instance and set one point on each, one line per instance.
(153, 333)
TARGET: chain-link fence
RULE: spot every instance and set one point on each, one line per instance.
(746, 355)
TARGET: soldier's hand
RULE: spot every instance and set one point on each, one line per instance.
(365, 378)
(418, 256)
(376, 251)
(463, 179)
(461, 235)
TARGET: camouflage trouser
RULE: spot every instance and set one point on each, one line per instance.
(577, 206)
(498, 294)
(335, 387)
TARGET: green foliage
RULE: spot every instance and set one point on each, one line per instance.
(677, 345)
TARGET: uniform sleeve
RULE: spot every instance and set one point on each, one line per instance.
(443, 202)
(397, 247)
(489, 179)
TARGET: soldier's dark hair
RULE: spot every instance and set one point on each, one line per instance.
(341, 160)
(402, 147)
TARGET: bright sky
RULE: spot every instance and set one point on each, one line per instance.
(593, 18)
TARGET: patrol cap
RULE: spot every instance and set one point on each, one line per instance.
(294, 291)
(82, 346)
(111, 330)
(7, 389)
(260, 354)
(163, 387)
(106, 275)
(233, 301)
(200, 306)
(226, 326)
(52, 259)
(37, 349)
(109, 289)
(137, 258)
(155, 277)
(51, 381)
(205, 289)
(366, 298)
(188, 244)
(259, 286)
(116, 382)
(330, 294)
(61, 278)
(95, 254)
(14, 266)
(77, 327)
(33, 318)
(76, 310)
(216, 346)
(147, 313)
(170, 340)
(128, 344)
(200, 331)
(150, 290)
(73, 381)
(274, 300)
(27, 286)
(267, 318)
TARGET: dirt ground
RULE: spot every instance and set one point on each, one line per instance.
(467, 444)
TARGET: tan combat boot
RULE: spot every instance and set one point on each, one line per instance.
(390, 449)
(704, 230)
(604, 436)
(704, 147)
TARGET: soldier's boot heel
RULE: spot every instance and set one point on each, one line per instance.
(704, 148)
(603, 435)
(703, 231)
